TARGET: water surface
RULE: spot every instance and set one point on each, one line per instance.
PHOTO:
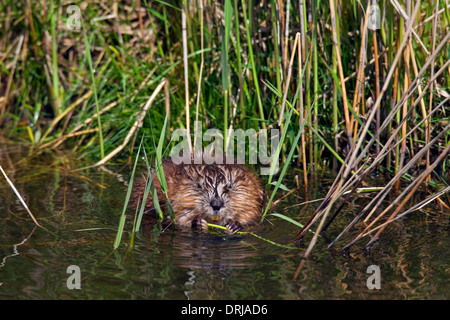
(80, 212)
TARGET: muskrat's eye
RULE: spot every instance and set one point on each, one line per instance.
(226, 188)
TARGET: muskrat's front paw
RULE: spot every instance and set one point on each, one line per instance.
(200, 224)
(233, 227)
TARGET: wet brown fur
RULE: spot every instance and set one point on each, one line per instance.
(192, 188)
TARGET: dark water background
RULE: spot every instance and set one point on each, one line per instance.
(413, 255)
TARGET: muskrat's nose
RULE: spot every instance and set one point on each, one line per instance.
(216, 204)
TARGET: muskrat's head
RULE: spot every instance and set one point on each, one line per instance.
(217, 193)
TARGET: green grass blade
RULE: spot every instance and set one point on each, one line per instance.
(336, 155)
(211, 225)
(94, 88)
(127, 199)
(286, 164)
(252, 63)
(149, 189)
(159, 167)
(282, 216)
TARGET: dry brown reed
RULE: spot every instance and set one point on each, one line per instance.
(358, 166)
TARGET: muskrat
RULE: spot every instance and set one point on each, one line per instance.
(229, 195)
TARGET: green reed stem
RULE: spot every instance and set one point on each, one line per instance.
(56, 101)
(211, 225)
(316, 88)
(239, 61)
(127, 199)
(276, 49)
(94, 88)
(252, 61)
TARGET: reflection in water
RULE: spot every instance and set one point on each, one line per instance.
(15, 251)
(211, 263)
(214, 251)
(166, 263)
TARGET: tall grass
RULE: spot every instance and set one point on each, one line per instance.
(347, 98)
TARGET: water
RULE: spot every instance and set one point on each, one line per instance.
(80, 212)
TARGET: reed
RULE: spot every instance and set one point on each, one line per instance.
(94, 88)
(22, 201)
(123, 216)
